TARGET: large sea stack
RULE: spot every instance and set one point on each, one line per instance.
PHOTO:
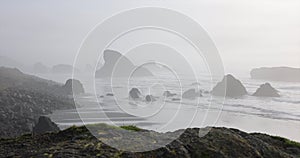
(229, 87)
(73, 86)
(266, 90)
(117, 65)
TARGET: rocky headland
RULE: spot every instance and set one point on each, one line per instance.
(285, 74)
(24, 98)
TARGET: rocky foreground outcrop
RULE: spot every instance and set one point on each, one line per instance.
(218, 143)
(286, 74)
(266, 90)
(229, 87)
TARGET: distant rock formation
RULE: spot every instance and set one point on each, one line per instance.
(44, 125)
(285, 74)
(266, 90)
(8, 62)
(73, 86)
(191, 94)
(40, 68)
(123, 67)
(150, 98)
(229, 87)
(12, 77)
(134, 93)
(168, 94)
(63, 69)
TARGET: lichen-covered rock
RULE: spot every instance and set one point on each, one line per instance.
(44, 125)
(218, 142)
(266, 90)
(229, 87)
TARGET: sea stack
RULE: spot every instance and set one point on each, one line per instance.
(73, 86)
(117, 65)
(229, 87)
(266, 90)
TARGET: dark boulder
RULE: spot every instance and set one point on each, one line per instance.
(109, 94)
(45, 125)
(168, 94)
(191, 94)
(175, 99)
(73, 86)
(135, 93)
(150, 98)
(229, 87)
(266, 90)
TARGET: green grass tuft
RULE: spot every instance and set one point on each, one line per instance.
(131, 128)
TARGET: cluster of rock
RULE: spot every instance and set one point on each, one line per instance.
(228, 87)
(219, 142)
(232, 87)
(135, 94)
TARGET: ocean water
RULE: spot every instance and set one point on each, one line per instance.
(276, 116)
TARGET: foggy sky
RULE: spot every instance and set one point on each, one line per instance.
(247, 33)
